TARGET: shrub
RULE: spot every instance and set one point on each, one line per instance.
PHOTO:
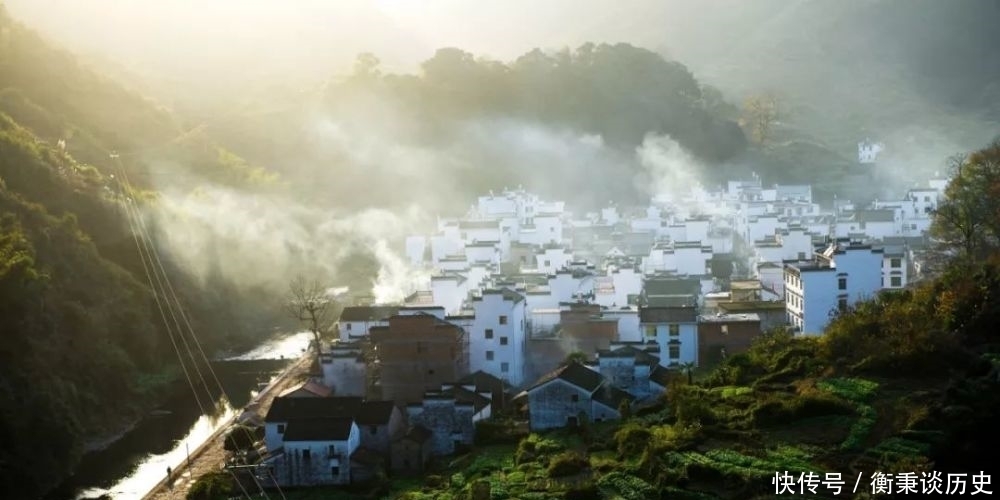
(625, 486)
(861, 428)
(631, 439)
(535, 446)
(213, 486)
(851, 389)
(567, 463)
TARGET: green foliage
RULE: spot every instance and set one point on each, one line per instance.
(852, 389)
(212, 486)
(567, 463)
(867, 416)
(242, 438)
(534, 446)
(625, 487)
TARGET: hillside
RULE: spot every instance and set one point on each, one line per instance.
(907, 383)
(84, 349)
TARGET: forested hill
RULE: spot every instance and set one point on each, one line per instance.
(84, 350)
(566, 123)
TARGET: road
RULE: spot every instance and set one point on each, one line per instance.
(210, 456)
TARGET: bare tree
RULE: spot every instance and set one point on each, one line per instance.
(310, 303)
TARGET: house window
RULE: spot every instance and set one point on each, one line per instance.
(895, 263)
(547, 263)
(896, 281)
(725, 329)
(489, 355)
(335, 471)
(675, 351)
(842, 283)
(281, 428)
(373, 430)
(842, 304)
(503, 340)
(348, 327)
(574, 398)
(675, 330)
(651, 331)
(489, 333)
(504, 367)
(503, 320)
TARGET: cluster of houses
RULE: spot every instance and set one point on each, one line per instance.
(555, 317)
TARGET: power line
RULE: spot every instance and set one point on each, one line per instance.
(169, 289)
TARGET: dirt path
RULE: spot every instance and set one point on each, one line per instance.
(210, 456)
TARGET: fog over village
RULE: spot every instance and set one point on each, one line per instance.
(489, 250)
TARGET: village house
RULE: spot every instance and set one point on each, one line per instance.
(724, 335)
(573, 393)
(416, 353)
(412, 451)
(344, 369)
(450, 415)
(845, 273)
(630, 367)
(498, 336)
(355, 321)
(314, 452)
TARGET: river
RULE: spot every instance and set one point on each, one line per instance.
(132, 465)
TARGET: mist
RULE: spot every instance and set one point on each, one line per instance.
(362, 169)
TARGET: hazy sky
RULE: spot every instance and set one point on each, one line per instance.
(312, 37)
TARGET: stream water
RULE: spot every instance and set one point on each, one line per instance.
(132, 465)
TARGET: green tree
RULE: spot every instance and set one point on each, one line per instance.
(576, 357)
(966, 219)
(241, 438)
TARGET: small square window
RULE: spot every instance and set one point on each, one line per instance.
(503, 340)
(675, 330)
(574, 398)
(725, 329)
(489, 333)
(489, 355)
(281, 428)
(651, 331)
(504, 367)
(503, 320)
(896, 281)
(675, 352)
(895, 263)
(842, 283)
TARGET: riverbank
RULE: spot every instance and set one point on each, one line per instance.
(210, 455)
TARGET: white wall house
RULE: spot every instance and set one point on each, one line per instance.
(868, 151)
(497, 339)
(675, 330)
(628, 322)
(690, 258)
(355, 321)
(548, 260)
(894, 268)
(838, 278)
(483, 252)
(449, 291)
